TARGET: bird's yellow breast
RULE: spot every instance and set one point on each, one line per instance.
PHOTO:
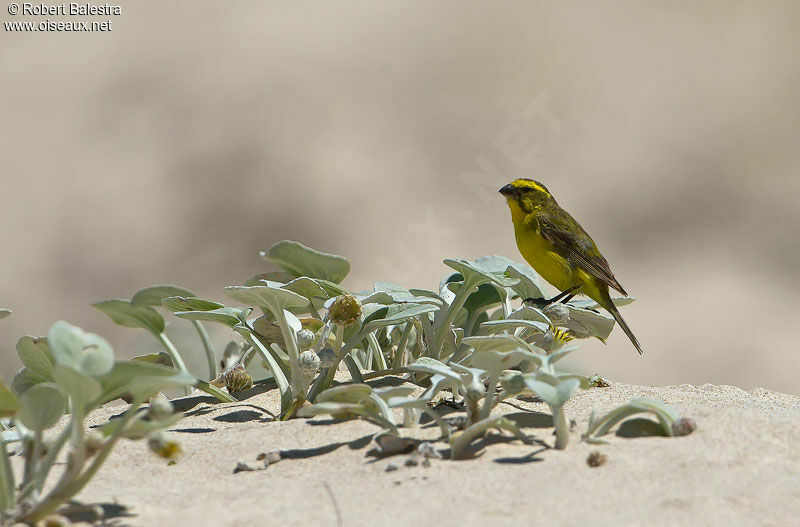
(542, 255)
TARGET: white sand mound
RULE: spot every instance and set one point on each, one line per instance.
(740, 467)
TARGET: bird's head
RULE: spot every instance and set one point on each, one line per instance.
(526, 195)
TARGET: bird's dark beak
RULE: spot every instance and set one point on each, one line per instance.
(507, 191)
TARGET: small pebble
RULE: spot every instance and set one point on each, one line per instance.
(428, 451)
(412, 461)
(684, 426)
(242, 467)
(391, 467)
(596, 459)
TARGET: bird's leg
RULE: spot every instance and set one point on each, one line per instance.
(563, 297)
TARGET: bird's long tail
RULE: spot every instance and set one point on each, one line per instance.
(624, 325)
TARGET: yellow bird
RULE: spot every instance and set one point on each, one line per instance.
(559, 249)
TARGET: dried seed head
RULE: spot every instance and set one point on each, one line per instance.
(162, 446)
(236, 379)
(305, 339)
(309, 362)
(160, 409)
(684, 426)
(345, 310)
(557, 313)
(327, 358)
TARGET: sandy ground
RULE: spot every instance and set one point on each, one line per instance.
(740, 467)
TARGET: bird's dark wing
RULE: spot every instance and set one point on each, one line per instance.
(571, 241)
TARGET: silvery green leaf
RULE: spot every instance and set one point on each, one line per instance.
(8, 401)
(230, 316)
(41, 406)
(274, 276)
(333, 408)
(394, 314)
(428, 294)
(561, 353)
(293, 321)
(140, 428)
(441, 382)
(155, 358)
(145, 386)
(585, 323)
(306, 287)
(331, 288)
(273, 298)
(495, 362)
(377, 297)
(529, 313)
(481, 271)
(388, 392)
(588, 303)
(665, 414)
(36, 356)
(116, 382)
(4, 313)
(296, 258)
(550, 390)
(433, 366)
(183, 303)
(123, 314)
(494, 263)
(529, 285)
(469, 375)
(497, 343)
(24, 379)
(81, 387)
(487, 295)
(492, 327)
(86, 352)
(152, 296)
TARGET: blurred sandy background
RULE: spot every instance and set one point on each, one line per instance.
(196, 133)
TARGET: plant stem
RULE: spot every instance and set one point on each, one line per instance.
(444, 323)
(7, 500)
(207, 347)
(50, 458)
(67, 489)
(562, 427)
(398, 361)
(378, 361)
(177, 360)
(488, 401)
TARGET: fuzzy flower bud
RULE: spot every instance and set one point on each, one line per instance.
(327, 358)
(309, 362)
(345, 310)
(305, 339)
(160, 409)
(163, 446)
(557, 313)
